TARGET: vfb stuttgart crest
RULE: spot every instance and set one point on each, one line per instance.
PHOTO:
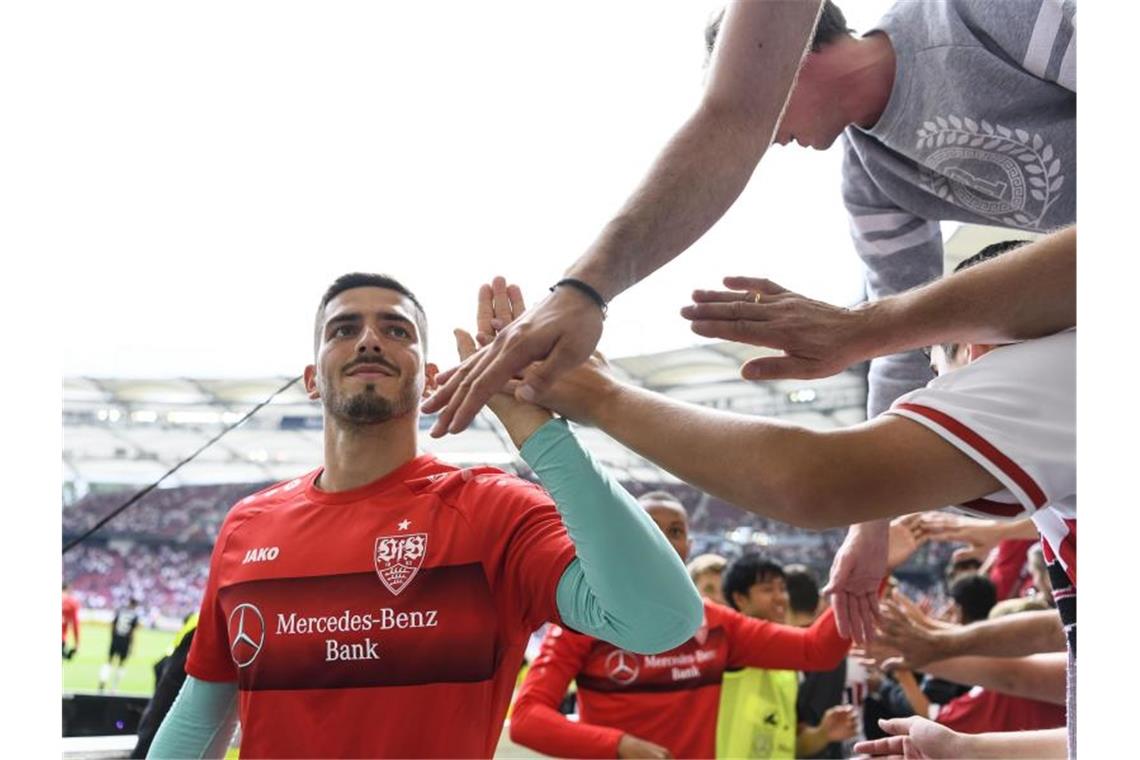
(398, 559)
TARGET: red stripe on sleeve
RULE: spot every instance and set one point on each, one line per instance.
(985, 448)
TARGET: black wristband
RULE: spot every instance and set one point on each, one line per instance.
(582, 287)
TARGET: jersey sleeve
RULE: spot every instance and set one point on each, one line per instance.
(1040, 36)
(535, 720)
(900, 251)
(1013, 411)
(209, 658)
(533, 547)
(757, 643)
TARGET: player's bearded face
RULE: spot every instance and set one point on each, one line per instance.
(368, 406)
(369, 366)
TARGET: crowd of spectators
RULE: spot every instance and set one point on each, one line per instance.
(168, 579)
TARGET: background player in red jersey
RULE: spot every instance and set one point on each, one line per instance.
(347, 607)
(70, 620)
(659, 705)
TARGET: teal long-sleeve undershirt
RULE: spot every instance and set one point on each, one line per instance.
(626, 585)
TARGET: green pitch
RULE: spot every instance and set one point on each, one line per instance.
(81, 672)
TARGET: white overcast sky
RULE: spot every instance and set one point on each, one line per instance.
(210, 173)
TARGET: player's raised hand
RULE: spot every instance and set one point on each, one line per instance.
(498, 305)
(856, 574)
(556, 335)
(818, 339)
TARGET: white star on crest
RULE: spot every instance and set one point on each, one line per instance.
(404, 524)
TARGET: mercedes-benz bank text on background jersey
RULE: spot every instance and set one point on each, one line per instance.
(670, 698)
(389, 620)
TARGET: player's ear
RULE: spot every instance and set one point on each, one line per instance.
(430, 371)
(310, 379)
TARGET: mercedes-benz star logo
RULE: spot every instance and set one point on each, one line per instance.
(622, 667)
(247, 634)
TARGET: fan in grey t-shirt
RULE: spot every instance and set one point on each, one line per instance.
(960, 110)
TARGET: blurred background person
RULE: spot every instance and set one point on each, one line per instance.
(123, 627)
(706, 571)
(70, 621)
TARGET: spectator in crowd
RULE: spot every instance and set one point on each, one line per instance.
(973, 596)
(123, 627)
(1000, 547)
(706, 570)
(491, 557)
(662, 705)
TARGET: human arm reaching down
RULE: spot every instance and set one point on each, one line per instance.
(1025, 293)
(697, 176)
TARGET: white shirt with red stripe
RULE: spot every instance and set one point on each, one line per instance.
(1013, 411)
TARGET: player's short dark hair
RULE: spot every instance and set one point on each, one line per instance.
(991, 251)
(975, 594)
(368, 280)
(832, 25)
(803, 590)
(746, 571)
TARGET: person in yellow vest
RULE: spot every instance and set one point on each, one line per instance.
(757, 716)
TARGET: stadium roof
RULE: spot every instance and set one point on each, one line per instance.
(130, 431)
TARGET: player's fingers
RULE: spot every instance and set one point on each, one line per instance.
(483, 314)
(778, 367)
(448, 382)
(755, 284)
(518, 304)
(484, 380)
(454, 393)
(464, 343)
(502, 302)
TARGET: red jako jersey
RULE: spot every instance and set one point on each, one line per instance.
(389, 620)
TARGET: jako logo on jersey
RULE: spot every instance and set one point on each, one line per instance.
(398, 559)
(263, 554)
(246, 633)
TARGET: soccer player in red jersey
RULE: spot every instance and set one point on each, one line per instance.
(349, 609)
(70, 620)
(662, 705)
